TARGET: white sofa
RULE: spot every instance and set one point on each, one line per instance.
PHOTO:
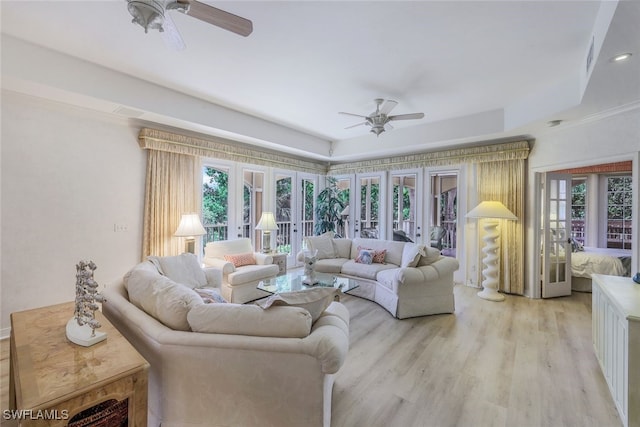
(239, 282)
(245, 366)
(414, 280)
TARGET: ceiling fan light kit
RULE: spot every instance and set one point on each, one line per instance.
(150, 13)
(379, 119)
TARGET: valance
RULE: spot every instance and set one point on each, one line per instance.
(226, 149)
(487, 153)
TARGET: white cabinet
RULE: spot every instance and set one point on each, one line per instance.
(616, 340)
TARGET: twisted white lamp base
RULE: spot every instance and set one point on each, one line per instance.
(491, 270)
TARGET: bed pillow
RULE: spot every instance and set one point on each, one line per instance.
(576, 246)
(238, 260)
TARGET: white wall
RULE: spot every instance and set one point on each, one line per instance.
(610, 138)
(68, 175)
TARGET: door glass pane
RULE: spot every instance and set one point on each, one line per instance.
(369, 207)
(253, 185)
(444, 213)
(619, 206)
(215, 193)
(308, 205)
(343, 188)
(404, 207)
(283, 213)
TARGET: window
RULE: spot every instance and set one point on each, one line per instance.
(578, 208)
(619, 203)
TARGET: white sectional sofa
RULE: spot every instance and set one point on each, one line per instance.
(225, 364)
(413, 280)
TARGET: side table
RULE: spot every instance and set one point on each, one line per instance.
(280, 259)
(54, 382)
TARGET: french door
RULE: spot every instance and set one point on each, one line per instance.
(555, 249)
(295, 198)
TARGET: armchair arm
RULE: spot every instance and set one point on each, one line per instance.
(225, 266)
(263, 259)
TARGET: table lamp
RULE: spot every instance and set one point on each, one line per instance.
(190, 227)
(267, 224)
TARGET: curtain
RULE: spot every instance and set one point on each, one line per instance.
(170, 191)
(504, 181)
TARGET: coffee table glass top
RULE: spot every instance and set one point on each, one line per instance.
(294, 282)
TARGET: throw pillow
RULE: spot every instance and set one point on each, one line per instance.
(210, 295)
(315, 300)
(322, 244)
(238, 260)
(365, 256)
(377, 256)
(183, 269)
(411, 254)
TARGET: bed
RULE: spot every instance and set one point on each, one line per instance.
(613, 262)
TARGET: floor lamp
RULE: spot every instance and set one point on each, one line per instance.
(190, 227)
(492, 212)
(267, 224)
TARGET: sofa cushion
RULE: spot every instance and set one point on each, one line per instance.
(432, 255)
(183, 268)
(315, 300)
(160, 297)
(322, 244)
(343, 247)
(411, 254)
(252, 273)
(238, 260)
(240, 319)
(330, 265)
(352, 268)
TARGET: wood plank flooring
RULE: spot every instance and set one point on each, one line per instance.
(521, 362)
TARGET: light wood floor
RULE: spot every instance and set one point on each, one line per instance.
(521, 362)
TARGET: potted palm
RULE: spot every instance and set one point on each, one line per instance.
(329, 207)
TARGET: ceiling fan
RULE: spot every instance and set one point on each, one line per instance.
(153, 14)
(379, 119)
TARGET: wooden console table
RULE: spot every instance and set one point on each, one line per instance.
(616, 340)
(53, 380)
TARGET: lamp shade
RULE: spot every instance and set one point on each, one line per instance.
(267, 222)
(190, 226)
(491, 209)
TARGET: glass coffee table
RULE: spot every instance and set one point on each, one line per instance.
(294, 282)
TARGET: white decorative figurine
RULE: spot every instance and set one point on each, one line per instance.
(81, 329)
(310, 260)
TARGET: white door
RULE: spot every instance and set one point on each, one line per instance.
(555, 230)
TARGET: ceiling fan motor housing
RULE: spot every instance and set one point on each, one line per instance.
(150, 13)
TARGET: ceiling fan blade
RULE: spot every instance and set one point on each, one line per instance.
(218, 17)
(351, 114)
(387, 106)
(171, 35)
(356, 125)
(410, 116)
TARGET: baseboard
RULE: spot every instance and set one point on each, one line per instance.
(4, 333)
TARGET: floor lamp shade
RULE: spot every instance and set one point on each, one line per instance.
(190, 227)
(267, 224)
(491, 212)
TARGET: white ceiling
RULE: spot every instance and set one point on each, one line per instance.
(478, 69)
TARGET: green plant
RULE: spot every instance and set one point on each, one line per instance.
(329, 206)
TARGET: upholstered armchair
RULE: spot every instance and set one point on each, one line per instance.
(242, 268)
